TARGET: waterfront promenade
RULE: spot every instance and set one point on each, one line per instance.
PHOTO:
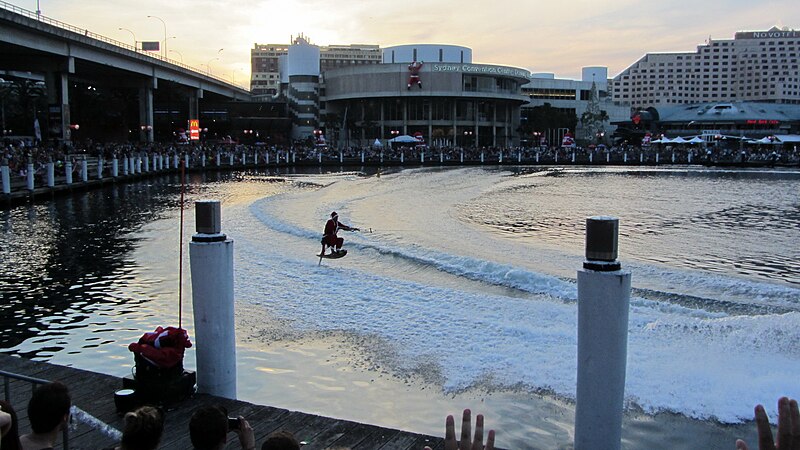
(93, 393)
(27, 178)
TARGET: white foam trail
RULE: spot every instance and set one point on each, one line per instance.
(92, 421)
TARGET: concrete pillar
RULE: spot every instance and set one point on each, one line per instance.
(51, 174)
(29, 177)
(57, 83)
(294, 157)
(84, 170)
(146, 110)
(68, 172)
(603, 302)
(115, 167)
(5, 175)
(211, 261)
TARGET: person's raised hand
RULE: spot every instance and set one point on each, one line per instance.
(788, 428)
(467, 442)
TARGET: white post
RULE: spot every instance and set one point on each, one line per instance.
(6, 177)
(402, 156)
(203, 160)
(625, 157)
(68, 171)
(139, 163)
(381, 156)
(84, 170)
(519, 156)
(657, 157)
(362, 156)
(537, 157)
(500, 159)
(441, 157)
(591, 157)
(556, 158)
(341, 158)
(267, 157)
(294, 157)
(608, 157)
(100, 168)
(573, 157)
(319, 157)
(422, 157)
(604, 291)
(211, 262)
(230, 159)
(481, 157)
(244, 158)
(690, 157)
(462, 156)
(132, 163)
(115, 167)
(29, 176)
(641, 156)
(218, 161)
(51, 174)
(177, 160)
(673, 157)
(186, 161)
(146, 162)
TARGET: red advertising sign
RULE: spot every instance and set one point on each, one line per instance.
(194, 129)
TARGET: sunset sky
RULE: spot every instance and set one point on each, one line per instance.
(553, 36)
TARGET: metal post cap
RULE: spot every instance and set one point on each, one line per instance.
(208, 217)
(601, 242)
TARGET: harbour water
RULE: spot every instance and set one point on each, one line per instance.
(459, 291)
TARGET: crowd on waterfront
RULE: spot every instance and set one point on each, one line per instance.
(210, 427)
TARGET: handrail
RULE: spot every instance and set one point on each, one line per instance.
(84, 32)
(7, 387)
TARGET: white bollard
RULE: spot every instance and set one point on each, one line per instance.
(68, 172)
(690, 157)
(177, 159)
(294, 157)
(381, 157)
(115, 167)
(591, 157)
(462, 156)
(537, 157)
(673, 157)
(556, 157)
(362, 156)
(268, 158)
(211, 261)
(146, 162)
(218, 161)
(625, 157)
(51, 174)
(230, 159)
(5, 175)
(319, 157)
(84, 170)
(29, 177)
(186, 161)
(341, 157)
(604, 291)
(657, 157)
(422, 157)
(481, 157)
(641, 157)
(573, 157)
(99, 168)
(441, 157)
(139, 163)
(402, 157)
(500, 159)
(519, 156)
(608, 157)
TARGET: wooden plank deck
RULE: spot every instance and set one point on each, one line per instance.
(94, 394)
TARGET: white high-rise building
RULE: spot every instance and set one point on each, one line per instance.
(753, 66)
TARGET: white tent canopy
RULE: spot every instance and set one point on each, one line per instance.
(788, 137)
(679, 140)
(404, 138)
(377, 143)
(696, 140)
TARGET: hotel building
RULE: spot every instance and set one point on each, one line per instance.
(759, 66)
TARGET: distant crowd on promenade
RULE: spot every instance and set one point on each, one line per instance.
(18, 155)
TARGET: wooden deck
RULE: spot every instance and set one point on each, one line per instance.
(94, 394)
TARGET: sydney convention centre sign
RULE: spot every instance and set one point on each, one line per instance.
(480, 69)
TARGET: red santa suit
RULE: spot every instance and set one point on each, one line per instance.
(413, 70)
(332, 226)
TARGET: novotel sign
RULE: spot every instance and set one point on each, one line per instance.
(481, 69)
(767, 34)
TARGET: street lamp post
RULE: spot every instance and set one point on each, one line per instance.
(135, 42)
(165, 34)
(208, 66)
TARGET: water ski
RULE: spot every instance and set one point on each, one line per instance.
(334, 255)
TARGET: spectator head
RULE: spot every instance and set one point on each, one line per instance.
(143, 428)
(208, 427)
(10, 440)
(48, 408)
(280, 440)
